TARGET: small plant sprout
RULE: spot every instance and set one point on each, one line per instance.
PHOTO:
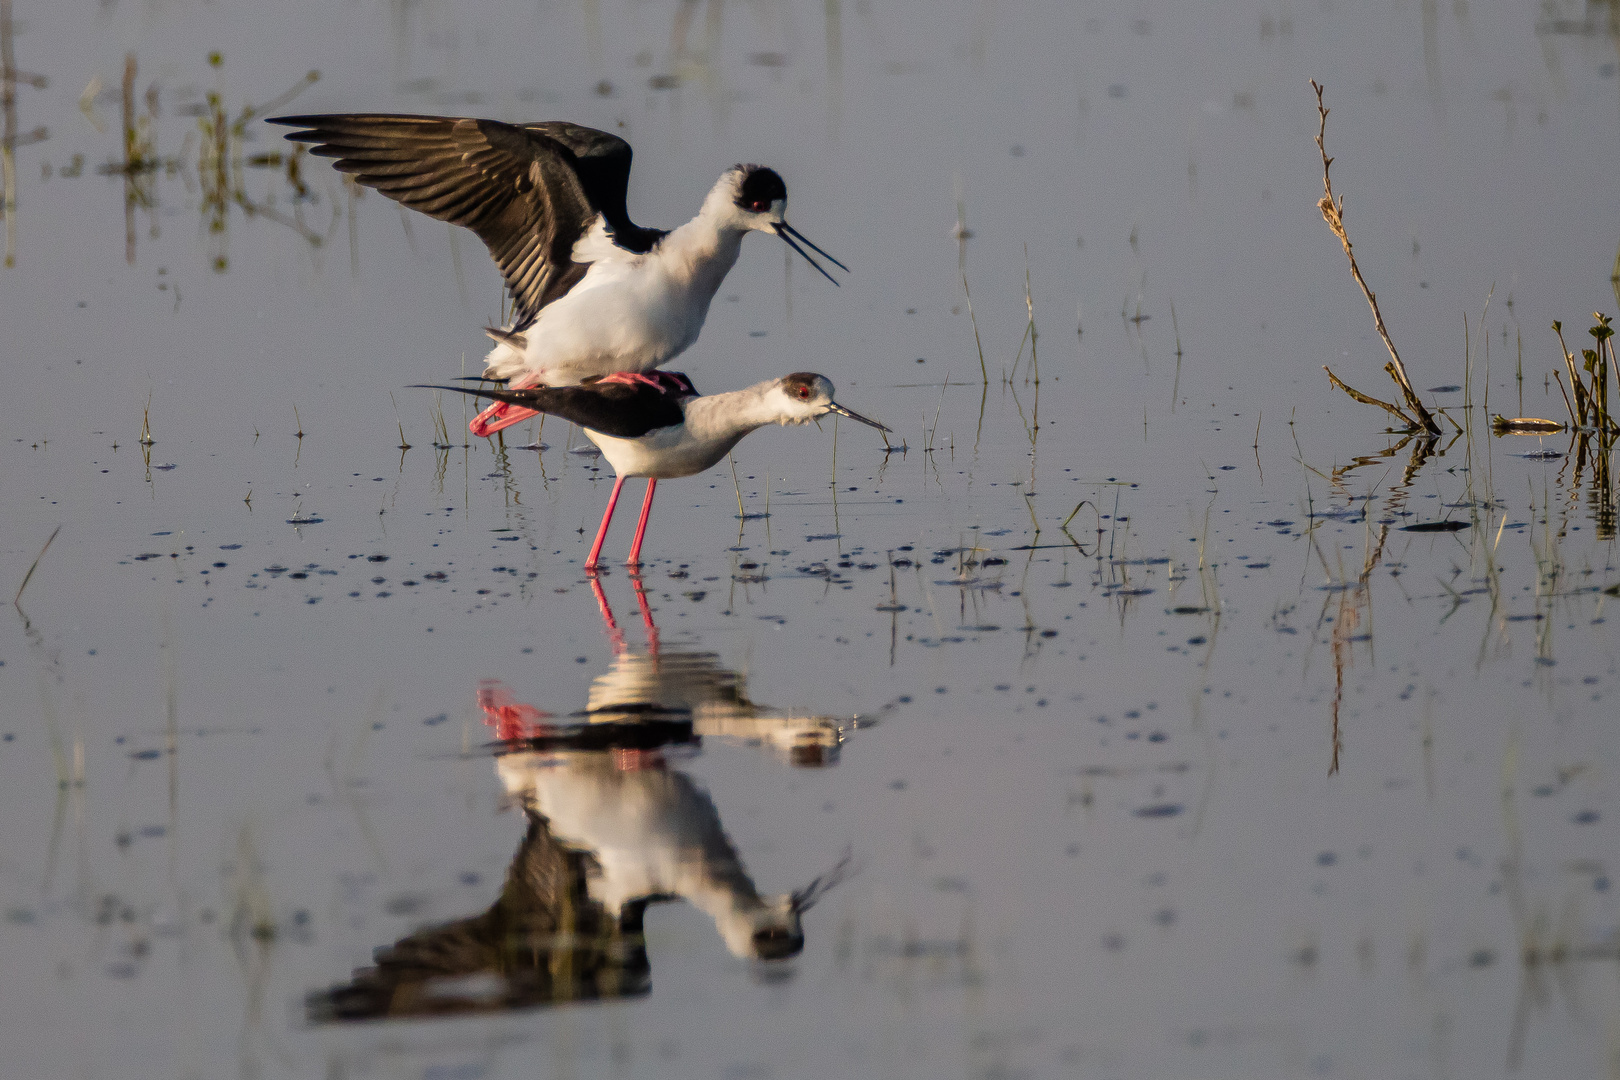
(403, 443)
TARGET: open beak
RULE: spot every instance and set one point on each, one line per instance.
(788, 234)
(841, 411)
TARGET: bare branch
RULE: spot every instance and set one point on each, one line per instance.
(1333, 213)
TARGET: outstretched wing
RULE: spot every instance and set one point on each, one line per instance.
(623, 410)
(528, 192)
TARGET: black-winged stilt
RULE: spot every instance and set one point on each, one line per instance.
(593, 292)
(657, 425)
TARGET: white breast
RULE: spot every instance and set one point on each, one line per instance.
(631, 312)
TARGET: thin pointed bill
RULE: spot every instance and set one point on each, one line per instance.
(841, 411)
(788, 233)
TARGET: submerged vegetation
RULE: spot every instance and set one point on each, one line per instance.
(212, 159)
(1592, 425)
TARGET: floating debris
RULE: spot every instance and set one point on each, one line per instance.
(1524, 425)
(1436, 526)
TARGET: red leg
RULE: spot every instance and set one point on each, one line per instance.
(641, 526)
(510, 719)
(646, 615)
(607, 516)
(615, 635)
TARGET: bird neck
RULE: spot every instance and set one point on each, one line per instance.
(728, 417)
(706, 248)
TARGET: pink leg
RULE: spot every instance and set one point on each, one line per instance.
(607, 516)
(641, 526)
(615, 635)
(646, 615)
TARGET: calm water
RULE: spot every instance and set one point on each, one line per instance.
(1237, 775)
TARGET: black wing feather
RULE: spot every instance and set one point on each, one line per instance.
(529, 192)
(616, 409)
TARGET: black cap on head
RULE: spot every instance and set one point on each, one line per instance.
(800, 385)
(760, 188)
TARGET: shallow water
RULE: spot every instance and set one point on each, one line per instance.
(1239, 774)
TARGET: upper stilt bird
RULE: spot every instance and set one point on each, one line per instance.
(658, 426)
(593, 293)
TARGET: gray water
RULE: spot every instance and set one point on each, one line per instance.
(1235, 775)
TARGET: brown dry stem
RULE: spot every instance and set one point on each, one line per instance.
(1333, 213)
(1582, 404)
(1367, 399)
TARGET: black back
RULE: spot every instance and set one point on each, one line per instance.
(623, 406)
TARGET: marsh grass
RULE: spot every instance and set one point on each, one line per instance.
(10, 77)
(16, 600)
(213, 154)
(404, 443)
(1030, 333)
(221, 163)
(1591, 409)
(929, 430)
(1592, 424)
(441, 431)
(732, 461)
(978, 343)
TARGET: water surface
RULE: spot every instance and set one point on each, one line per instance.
(1120, 724)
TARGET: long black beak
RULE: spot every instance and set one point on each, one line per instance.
(788, 233)
(524, 398)
(841, 411)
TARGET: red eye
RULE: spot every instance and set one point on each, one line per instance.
(804, 393)
(759, 206)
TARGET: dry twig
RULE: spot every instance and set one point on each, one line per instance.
(1333, 213)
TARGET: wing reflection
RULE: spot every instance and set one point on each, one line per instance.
(614, 825)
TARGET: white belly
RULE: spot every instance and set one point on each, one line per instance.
(662, 454)
(620, 318)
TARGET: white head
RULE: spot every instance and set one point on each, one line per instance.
(752, 198)
(755, 197)
(805, 396)
(770, 927)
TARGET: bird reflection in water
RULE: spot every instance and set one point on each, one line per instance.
(613, 827)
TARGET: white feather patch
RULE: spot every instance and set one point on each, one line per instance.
(596, 245)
